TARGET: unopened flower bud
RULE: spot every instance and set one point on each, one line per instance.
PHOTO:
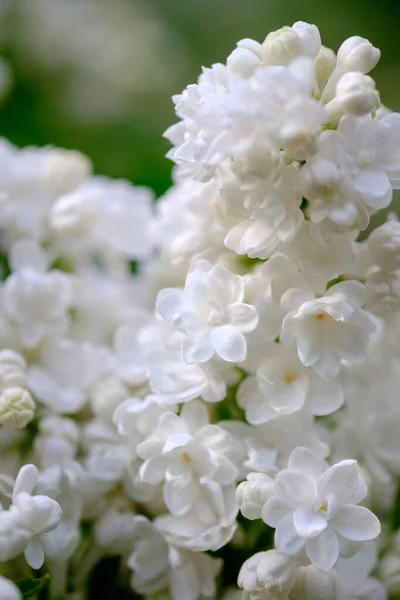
(382, 290)
(17, 408)
(384, 246)
(319, 179)
(252, 494)
(389, 572)
(12, 369)
(71, 214)
(325, 64)
(356, 94)
(8, 590)
(107, 395)
(314, 584)
(358, 54)
(65, 169)
(310, 37)
(267, 571)
(243, 61)
(281, 46)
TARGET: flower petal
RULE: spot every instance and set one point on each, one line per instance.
(325, 396)
(286, 539)
(307, 522)
(342, 481)
(26, 480)
(229, 343)
(323, 550)
(170, 302)
(356, 523)
(294, 488)
(197, 350)
(34, 554)
(242, 316)
(195, 415)
(274, 510)
(306, 461)
(177, 497)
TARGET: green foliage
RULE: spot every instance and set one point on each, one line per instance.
(4, 267)
(30, 432)
(29, 587)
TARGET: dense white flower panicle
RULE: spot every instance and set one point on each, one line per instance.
(233, 348)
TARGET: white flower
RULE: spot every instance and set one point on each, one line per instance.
(384, 245)
(137, 419)
(245, 58)
(31, 179)
(133, 344)
(66, 371)
(365, 152)
(315, 508)
(183, 449)
(157, 565)
(35, 515)
(268, 214)
(209, 524)
(286, 386)
(104, 216)
(17, 407)
(382, 292)
(209, 315)
(319, 260)
(37, 303)
(115, 530)
(173, 381)
(330, 331)
(8, 590)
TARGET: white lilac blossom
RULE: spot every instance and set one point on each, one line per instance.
(208, 317)
(316, 509)
(248, 362)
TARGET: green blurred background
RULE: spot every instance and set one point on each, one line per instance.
(98, 75)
